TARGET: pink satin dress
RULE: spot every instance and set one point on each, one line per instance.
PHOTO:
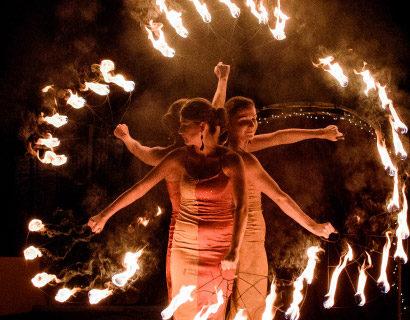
(251, 283)
(201, 239)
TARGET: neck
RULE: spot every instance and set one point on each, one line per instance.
(236, 143)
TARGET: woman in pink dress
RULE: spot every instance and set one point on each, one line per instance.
(212, 211)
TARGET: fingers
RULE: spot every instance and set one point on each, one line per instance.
(93, 225)
(228, 265)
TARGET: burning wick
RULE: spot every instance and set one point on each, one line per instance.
(143, 221)
(329, 302)
(183, 296)
(41, 279)
(235, 11)
(160, 43)
(213, 308)
(268, 314)
(279, 31)
(49, 142)
(384, 154)
(202, 10)
(382, 282)
(101, 89)
(47, 88)
(54, 159)
(174, 18)
(368, 80)
(65, 293)
(36, 225)
(359, 297)
(75, 101)
(56, 120)
(31, 253)
(262, 14)
(96, 295)
(131, 263)
(107, 67)
(334, 69)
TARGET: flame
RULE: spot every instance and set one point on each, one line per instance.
(235, 11)
(54, 159)
(259, 13)
(49, 142)
(31, 253)
(384, 154)
(382, 282)
(159, 212)
(131, 263)
(143, 221)
(202, 10)
(41, 279)
(334, 69)
(398, 125)
(75, 101)
(213, 308)
(101, 89)
(359, 296)
(160, 43)
(107, 67)
(56, 120)
(47, 88)
(293, 312)
(65, 293)
(394, 202)
(383, 96)
(268, 314)
(96, 295)
(279, 31)
(398, 146)
(183, 296)
(36, 225)
(174, 18)
(402, 216)
(241, 315)
(329, 302)
(368, 80)
(400, 254)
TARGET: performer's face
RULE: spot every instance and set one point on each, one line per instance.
(243, 124)
(190, 131)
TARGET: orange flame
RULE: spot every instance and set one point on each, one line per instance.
(235, 11)
(65, 293)
(368, 80)
(279, 31)
(268, 314)
(293, 312)
(398, 125)
(329, 302)
(47, 88)
(183, 296)
(159, 212)
(41, 279)
(96, 295)
(241, 315)
(259, 13)
(107, 67)
(384, 154)
(36, 225)
(202, 10)
(400, 254)
(143, 221)
(75, 101)
(160, 43)
(101, 89)
(31, 253)
(213, 308)
(56, 120)
(49, 142)
(174, 18)
(334, 69)
(54, 159)
(359, 296)
(382, 282)
(398, 146)
(131, 263)
(402, 216)
(394, 202)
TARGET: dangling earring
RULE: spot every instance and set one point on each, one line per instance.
(202, 143)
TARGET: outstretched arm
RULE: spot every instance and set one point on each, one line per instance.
(287, 136)
(151, 156)
(222, 72)
(167, 166)
(267, 185)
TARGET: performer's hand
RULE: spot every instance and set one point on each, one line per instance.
(323, 229)
(222, 70)
(230, 261)
(121, 131)
(97, 223)
(332, 133)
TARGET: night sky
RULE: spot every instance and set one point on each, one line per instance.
(58, 42)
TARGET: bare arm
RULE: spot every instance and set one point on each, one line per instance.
(264, 182)
(287, 136)
(236, 171)
(222, 72)
(149, 155)
(166, 167)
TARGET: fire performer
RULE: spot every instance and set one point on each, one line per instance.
(251, 284)
(213, 208)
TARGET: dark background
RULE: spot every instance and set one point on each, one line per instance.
(57, 42)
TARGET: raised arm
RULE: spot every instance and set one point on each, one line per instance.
(287, 136)
(149, 155)
(222, 72)
(166, 167)
(264, 182)
(236, 171)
